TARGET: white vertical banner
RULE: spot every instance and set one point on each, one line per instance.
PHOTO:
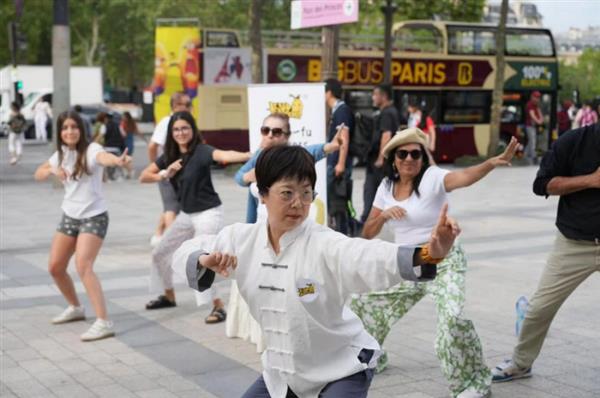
(304, 103)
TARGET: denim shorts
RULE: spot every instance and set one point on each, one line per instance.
(97, 225)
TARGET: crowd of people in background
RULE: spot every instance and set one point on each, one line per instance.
(404, 190)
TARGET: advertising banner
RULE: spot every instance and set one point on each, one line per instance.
(305, 105)
(532, 76)
(176, 67)
(369, 71)
(227, 66)
(311, 13)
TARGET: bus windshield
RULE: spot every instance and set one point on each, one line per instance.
(482, 41)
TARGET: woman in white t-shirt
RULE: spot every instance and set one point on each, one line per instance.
(79, 165)
(408, 201)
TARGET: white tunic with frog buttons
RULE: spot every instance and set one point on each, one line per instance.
(298, 296)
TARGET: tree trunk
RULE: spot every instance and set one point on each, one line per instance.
(255, 37)
(499, 83)
(91, 51)
(388, 11)
(329, 55)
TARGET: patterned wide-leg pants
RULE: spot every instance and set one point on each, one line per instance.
(457, 344)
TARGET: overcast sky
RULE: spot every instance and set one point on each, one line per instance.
(560, 15)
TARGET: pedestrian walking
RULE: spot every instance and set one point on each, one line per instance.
(179, 102)
(42, 113)
(129, 129)
(571, 170)
(408, 201)
(186, 164)
(417, 118)
(387, 122)
(296, 277)
(339, 163)
(16, 126)
(534, 120)
(78, 165)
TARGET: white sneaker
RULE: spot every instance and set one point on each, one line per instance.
(70, 314)
(155, 240)
(13, 160)
(473, 393)
(100, 329)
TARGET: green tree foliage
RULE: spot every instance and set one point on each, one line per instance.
(584, 76)
(119, 34)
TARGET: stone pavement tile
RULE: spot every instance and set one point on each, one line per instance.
(31, 389)
(23, 354)
(93, 378)
(13, 377)
(194, 394)
(117, 370)
(515, 389)
(555, 386)
(390, 377)
(73, 390)
(137, 383)
(175, 383)
(112, 391)
(98, 358)
(74, 366)
(37, 365)
(54, 378)
(154, 370)
(158, 393)
(57, 354)
(7, 362)
(132, 358)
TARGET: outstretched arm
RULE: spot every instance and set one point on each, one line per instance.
(470, 175)
(230, 156)
(109, 160)
(567, 185)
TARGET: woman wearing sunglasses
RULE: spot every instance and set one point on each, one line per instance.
(408, 201)
(186, 164)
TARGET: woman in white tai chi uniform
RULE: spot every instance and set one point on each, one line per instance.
(79, 165)
(296, 277)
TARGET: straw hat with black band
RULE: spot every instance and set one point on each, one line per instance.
(411, 135)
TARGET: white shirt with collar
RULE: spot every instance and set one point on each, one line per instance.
(298, 296)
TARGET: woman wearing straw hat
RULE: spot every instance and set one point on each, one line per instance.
(408, 201)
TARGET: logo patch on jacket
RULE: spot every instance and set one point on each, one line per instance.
(307, 290)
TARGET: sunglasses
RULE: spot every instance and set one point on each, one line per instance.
(403, 154)
(276, 131)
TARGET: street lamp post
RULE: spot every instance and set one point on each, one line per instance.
(388, 11)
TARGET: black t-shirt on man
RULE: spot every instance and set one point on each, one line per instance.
(193, 182)
(575, 153)
(387, 120)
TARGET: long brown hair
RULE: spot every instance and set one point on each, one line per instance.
(129, 124)
(81, 147)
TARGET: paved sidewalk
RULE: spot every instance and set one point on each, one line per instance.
(173, 353)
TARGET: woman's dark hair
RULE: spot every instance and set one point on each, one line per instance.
(172, 152)
(129, 123)
(15, 106)
(284, 162)
(80, 147)
(101, 117)
(393, 176)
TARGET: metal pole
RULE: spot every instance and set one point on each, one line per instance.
(61, 58)
(388, 11)
(329, 57)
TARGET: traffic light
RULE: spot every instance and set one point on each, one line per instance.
(20, 86)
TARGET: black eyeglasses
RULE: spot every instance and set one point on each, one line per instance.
(276, 131)
(403, 154)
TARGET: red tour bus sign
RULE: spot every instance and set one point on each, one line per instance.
(369, 71)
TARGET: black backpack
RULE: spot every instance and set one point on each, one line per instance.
(360, 142)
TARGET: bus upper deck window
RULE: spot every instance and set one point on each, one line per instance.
(529, 42)
(418, 38)
(469, 40)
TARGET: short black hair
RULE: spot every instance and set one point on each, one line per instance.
(386, 89)
(284, 162)
(334, 86)
(16, 106)
(78, 108)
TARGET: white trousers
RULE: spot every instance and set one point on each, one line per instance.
(40, 127)
(185, 227)
(15, 144)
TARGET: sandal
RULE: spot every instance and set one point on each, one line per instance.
(217, 315)
(160, 302)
